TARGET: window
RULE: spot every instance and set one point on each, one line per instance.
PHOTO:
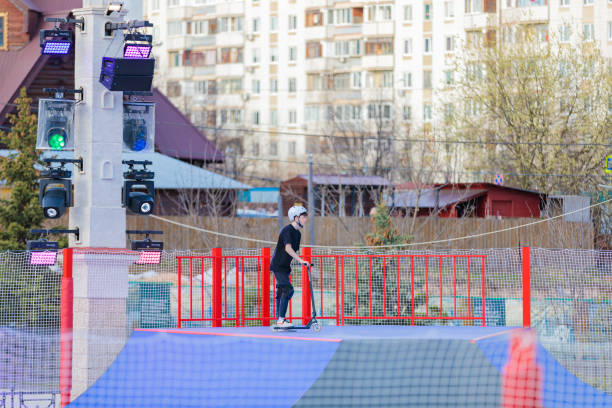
(313, 49)
(200, 27)
(315, 82)
(273, 117)
(428, 9)
(273, 85)
(407, 13)
(407, 112)
(292, 145)
(587, 30)
(427, 79)
(273, 54)
(449, 9)
(174, 59)
(292, 23)
(292, 53)
(387, 79)
(408, 46)
(428, 45)
(449, 111)
(449, 41)
(609, 30)
(256, 118)
(292, 116)
(292, 85)
(473, 6)
(385, 13)
(448, 77)
(379, 46)
(224, 24)
(427, 112)
(3, 31)
(314, 18)
(356, 80)
(311, 113)
(256, 86)
(256, 25)
(564, 3)
(230, 86)
(342, 81)
(273, 148)
(407, 79)
(273, 23)
(356, 112)
(237, 23)
(235, 116)
(256, 58)
(154, 5)
(565, 32)
(174, 2)
(255, 148)
(588, 2)
(174, 88)
(175, 28)
(230, 55)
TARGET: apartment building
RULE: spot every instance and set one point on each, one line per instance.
(269, 76)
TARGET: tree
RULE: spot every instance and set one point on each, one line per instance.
(533, 107)
(20, 212)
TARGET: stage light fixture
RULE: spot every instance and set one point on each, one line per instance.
(55, 188)
(42, 252)
(55, 42)
(139, 202)
(137, 46)
(113, 6)
(55, 124)
(150, 251)
(138, 127)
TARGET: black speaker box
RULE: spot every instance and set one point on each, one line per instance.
(122, 74)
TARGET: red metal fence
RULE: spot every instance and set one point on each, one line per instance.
(233, 290)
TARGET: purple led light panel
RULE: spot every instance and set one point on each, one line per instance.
(43, 258)
(57, 47)
(136, 51)
(149, 258)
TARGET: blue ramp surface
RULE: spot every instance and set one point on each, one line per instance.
(157, 369)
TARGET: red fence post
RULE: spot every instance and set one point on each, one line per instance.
(67, 296)
(526, 287)
(217, 293)
(265, 286)
(306, 310)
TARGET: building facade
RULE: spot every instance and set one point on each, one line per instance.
(267, 77)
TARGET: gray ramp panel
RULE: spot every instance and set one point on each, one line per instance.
(401, 373)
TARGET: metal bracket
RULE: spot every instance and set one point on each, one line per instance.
(78, 162)
(56, 231)
(77, 22)
(59, 92)
(145, 232)
(110, 27)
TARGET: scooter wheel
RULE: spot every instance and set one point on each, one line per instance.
(316, 327)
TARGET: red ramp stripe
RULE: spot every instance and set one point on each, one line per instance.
(261, 336)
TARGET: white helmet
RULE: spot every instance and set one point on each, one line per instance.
(296, 211)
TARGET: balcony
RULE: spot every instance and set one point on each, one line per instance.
(179, 72)
(316, 64)
(525, 15)
(178, 13)
(232, 8)
(318, 97)
(385, 28)
(377, 61)
(180, 42)
(229, 100)
(379, 94)
(230, 70)
(203, 40)
(317, 32)
(229, 39)
(476, 21)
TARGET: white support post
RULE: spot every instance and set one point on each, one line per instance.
(100, 278)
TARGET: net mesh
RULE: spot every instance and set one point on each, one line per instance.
(571, 313)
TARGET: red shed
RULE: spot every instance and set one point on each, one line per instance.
(469, 200)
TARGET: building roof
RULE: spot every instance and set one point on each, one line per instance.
(176, 136)
(485, 186)
(427, 199)
(170, 173)
(336, 180)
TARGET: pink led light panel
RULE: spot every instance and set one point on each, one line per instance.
(149, 258)
(43, 258)
(136, 51)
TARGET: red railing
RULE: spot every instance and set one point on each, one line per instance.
(348, 289)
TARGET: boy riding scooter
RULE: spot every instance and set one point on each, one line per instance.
(286, 250)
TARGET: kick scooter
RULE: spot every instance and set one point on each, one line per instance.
(316, 326)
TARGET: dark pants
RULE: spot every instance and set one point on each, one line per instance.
(284, 293)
